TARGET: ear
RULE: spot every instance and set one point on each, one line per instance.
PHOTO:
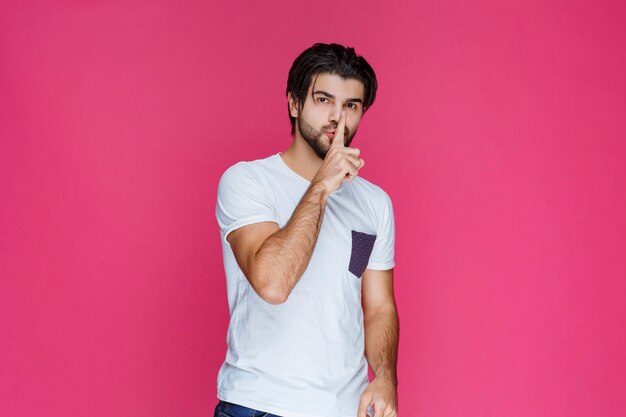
(293, 106)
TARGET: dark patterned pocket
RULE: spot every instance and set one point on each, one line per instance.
(362, 245)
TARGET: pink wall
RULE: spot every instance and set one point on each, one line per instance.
(499, 132)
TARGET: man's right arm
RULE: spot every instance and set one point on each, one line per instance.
(274, 259)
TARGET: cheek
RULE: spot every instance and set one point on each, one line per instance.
(353, 126)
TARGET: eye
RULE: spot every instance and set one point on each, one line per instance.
(322, 100)
(353, 106)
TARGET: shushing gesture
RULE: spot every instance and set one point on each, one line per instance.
(341, 163)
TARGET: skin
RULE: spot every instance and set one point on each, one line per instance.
(274, 259)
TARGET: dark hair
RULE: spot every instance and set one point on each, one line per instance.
(329, 58)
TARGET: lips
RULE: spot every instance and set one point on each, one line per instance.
(330, 133)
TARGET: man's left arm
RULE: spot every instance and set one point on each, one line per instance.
(381, 343)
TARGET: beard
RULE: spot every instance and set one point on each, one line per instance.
(318, 140)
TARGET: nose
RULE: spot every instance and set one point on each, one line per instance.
(333, 117)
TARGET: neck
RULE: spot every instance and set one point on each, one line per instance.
(302, 159)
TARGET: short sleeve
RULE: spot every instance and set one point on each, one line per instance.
(243, 198)
(382, 257)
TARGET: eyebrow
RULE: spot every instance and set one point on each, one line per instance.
(350, 100)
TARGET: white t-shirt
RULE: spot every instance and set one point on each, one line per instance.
(305, 357)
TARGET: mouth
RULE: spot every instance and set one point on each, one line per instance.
(330, 133)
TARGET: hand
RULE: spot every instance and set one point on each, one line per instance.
(341, 163)
(381, 392)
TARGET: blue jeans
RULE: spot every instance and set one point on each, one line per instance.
(224, 409)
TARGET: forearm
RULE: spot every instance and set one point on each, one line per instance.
(381, 342)
(283, 257)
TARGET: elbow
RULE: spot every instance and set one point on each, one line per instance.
(267, 289)
(272, 296)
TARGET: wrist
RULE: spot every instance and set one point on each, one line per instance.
(387, 376)
(318, 188)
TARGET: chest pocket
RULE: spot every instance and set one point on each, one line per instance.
(362, 245)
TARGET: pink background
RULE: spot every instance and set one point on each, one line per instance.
(498, 131)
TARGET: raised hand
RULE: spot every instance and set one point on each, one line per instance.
(341, 163)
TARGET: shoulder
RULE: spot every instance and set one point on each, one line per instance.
(371, 191)
(373, 200)
(246, 171)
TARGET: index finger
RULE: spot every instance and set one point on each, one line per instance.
(340, 131)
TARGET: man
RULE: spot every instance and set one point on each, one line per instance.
(308, 252)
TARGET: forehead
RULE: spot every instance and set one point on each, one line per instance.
(342, 88)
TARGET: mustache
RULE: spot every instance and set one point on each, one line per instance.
(333, 126)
